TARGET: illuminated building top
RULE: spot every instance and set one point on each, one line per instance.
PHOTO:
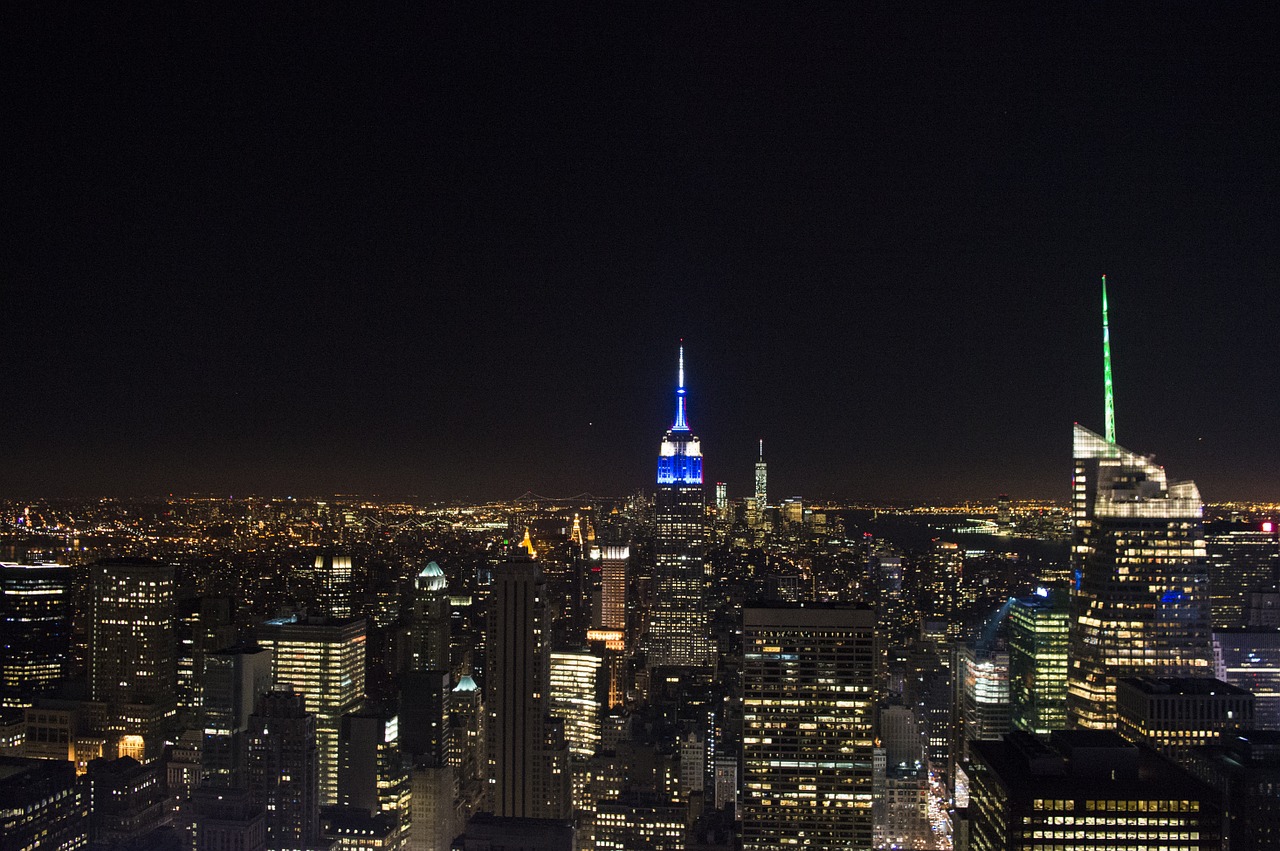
(680, 456)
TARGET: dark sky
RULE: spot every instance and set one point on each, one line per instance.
(449, 251)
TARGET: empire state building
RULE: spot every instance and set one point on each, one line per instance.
(679, 632)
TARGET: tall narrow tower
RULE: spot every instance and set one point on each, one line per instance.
(1140, 600)
(678, 626)
(762, 481)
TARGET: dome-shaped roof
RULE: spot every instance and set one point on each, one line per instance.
(432, 578)
(466, 684)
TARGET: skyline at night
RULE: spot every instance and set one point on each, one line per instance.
(448, 254)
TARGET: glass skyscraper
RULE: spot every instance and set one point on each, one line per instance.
(1140, 602)
(1038, 661)
(679, 633)
(35, 630)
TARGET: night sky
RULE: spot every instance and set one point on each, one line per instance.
(450, 252)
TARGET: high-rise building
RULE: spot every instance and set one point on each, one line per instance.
(722, 498)
(132, 655)
(1242, 559)
(983, 711)
(431, 620)
(371, 773)
(523, 778)
(284, 769)
(1172, 715)
(613, 587)
(333, 578)
(233, 680)
(1038, 661)
(205, 624)
(576, 698)
(1250, 659)
(35, 630)
(1140, 601)
(679, 631)
(323, 660)
(1086, 789)
(762, 481)
(808, 726)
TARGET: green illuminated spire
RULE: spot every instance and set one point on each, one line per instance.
(1106, 368)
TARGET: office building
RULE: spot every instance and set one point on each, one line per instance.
(1250, 659)
(1140, 605)
(807, 726)
(525, 777)
(205, 624)
(1038, 661)
(431, 620)
(576, 698)
(371, 773)
(1086, 789)
(233, 680)
(323, 660)
(1171, 715)
(613, 588)
(983, 709)
(1140, 601)
(35, 630)
(284, 769)
(1242, 559)
(43, 806)
(679, 631)
(634, 822)
(333, 582)
(132, 653)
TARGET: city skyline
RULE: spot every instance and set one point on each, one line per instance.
(448, 255)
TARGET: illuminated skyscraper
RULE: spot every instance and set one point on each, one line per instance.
(1038, 662)
(431, 620)
(35, 630)
(679, 632)
(576, 698)
(613, 588)
(808, 726)
(762, 481)
(323, 660)
(133, 664)
(333, 575)
(1140, 605)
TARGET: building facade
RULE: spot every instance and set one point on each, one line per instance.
(808, 727)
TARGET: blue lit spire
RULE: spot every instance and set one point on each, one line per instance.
(680, 455)
(680, 424)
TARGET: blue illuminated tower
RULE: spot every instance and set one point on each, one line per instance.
(679, 632)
